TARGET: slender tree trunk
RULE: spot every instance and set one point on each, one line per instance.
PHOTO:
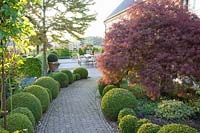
(44, 39)
(38, 49)
(3, 87)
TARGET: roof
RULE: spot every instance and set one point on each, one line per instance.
(123, 6)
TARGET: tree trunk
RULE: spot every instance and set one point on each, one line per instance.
(3, 87)
(38, 49)
(44, 39)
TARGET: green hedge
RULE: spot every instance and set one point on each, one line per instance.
(32, 67)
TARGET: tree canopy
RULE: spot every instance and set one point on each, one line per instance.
(93, 40)
(64, 19)
(158, 43)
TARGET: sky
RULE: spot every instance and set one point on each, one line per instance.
(103, 8)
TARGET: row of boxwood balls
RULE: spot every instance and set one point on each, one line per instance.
(29, 104)
(119, 104)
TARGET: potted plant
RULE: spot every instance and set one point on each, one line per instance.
(53, 62)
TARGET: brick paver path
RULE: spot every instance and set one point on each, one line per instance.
(76, 110)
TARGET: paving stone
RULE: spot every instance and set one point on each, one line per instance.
(76, 109)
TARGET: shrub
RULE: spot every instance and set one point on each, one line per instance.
(107, 88)
(49, 83)
(63, 53)
(18, 121)
(74, 77)
(50, 93)
(138, 91)
(78, 76)
(195, 103)
(171, 109)
(128, 124)
(162, 48)
(3, 131)
(25, 111)
(101, 87)
(52, 57)
(69, 74)
(32, 67)
(115, 100)
(124, 112)
(149, 128)
(177, 128)
(141, 122)
(146, 106)
(62, 78)
(41, 93)
(82, 71)
(25, 99)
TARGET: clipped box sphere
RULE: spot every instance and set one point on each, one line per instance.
(82, 71)
(124, 112)
(115, 100)
(107, 88)
(48, 83)
(25, 99)
(69, 74)
(25, 111)
(128, 124)
(149, 128)
(62, 78)
(18, 121)
(41, 93)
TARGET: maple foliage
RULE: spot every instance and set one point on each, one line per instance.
(158, 42)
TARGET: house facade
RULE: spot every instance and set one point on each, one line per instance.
(121, 11)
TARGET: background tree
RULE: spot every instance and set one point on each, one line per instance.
(14, 28)
(60, 19)
(159, 43)
(93, 40)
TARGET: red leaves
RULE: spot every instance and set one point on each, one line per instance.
(160, 37)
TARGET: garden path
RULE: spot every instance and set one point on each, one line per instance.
(76, 109)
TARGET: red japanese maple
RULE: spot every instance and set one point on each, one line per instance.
(158, 42)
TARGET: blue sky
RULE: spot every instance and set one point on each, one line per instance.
(103, 8)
